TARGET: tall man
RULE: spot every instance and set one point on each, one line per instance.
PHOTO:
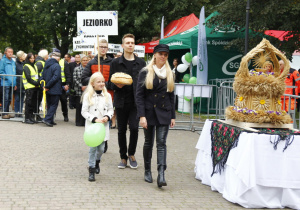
(7, 66)
(53, 87)
(124, 100)
(66, 81)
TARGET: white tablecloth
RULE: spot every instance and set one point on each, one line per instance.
(255, 174)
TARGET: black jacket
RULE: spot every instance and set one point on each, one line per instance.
(67, 75)
(19, 71)
(118, 65)
(52, 77)
(157, 105)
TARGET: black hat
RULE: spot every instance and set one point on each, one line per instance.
(161, 48)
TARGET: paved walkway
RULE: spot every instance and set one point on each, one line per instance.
(46, 168)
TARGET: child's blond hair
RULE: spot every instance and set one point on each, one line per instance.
(89, 91)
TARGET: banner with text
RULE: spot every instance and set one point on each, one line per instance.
(97, 22)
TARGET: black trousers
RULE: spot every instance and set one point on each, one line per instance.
(127, 115)
(79, 119)
(64, 103)
(161, 138)
(72, 101)
(31, 102)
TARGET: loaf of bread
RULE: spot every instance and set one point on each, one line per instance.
(121, 78)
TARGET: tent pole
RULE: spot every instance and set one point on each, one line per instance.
(191, 68)
(247, 26)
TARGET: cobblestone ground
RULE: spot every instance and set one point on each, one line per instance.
(46, 168)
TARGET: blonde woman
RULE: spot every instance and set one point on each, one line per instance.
(155, 108)
(96, 108)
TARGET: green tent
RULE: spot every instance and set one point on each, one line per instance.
(221, 63)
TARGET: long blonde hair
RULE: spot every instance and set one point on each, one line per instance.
(89, 91)
(151, 75)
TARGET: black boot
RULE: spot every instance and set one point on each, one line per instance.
(161, 177)
(105, 147)
(97, 167)
(147, 153)
(91, 174)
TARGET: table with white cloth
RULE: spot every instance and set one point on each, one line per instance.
(255, 174)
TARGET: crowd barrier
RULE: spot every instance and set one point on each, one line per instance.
(17, 98)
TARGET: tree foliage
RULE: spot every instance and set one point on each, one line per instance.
(264, 15)
(31, 25)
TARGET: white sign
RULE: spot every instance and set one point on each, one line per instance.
(97, 22)
(86, 42)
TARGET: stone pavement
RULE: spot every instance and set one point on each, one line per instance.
(46, 168)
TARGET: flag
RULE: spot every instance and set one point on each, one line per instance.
(162, 28)
(202, 65)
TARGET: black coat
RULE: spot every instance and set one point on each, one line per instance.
(19, 71)
(157, 105)
(118, 65)
(52, 77)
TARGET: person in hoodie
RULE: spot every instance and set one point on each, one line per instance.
(92, 67)
(39, 65)
(20, 92)
(8, 83)
(52, 77)
(31, 84)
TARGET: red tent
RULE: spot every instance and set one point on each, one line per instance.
(278, 34)
(175, 27)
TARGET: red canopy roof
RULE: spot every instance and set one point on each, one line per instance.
(175, 27)
(278, 34)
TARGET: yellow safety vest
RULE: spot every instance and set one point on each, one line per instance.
(33, 74)
(62, 65)
(43, 63)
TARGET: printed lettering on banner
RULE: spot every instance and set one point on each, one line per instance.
(97, 22)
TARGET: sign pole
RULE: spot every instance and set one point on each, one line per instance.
(98, 53)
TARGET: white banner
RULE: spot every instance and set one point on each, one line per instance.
(202, 66)
(80, 44)
(97, 22)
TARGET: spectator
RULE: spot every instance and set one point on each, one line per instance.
(79, 88)
(39, 65)
(73, 65)
(67, 58)
(52, 77)
(124, 100)
(31, 85)
(20, 91)
(8, 83)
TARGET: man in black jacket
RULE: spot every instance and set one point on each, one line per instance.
(52, 77)
(124, 100)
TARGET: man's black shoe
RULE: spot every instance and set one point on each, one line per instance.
(66, 119)
(38, 118)
(48, 124)
(27, 121)
(54, 123)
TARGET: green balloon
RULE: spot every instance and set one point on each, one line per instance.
(193, 80)
(186, 98)
(94, 135)
(188, 57)
(186, 78)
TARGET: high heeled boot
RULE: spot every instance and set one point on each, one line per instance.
(91, 174)
(161, 177)
(97, 167)
(147, 163)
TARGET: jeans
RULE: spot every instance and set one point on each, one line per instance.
(127, 115)
(6, 98)
(19, 101)
(95, 154)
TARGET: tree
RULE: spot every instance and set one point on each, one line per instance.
(52, 23)
(264, 15)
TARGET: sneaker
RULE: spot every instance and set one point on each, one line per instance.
(5, 116)
(132, 162)
(122, 164)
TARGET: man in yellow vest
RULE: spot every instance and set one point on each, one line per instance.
(66, 82)
(39, 65)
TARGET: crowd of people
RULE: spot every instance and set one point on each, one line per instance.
(148, 101)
